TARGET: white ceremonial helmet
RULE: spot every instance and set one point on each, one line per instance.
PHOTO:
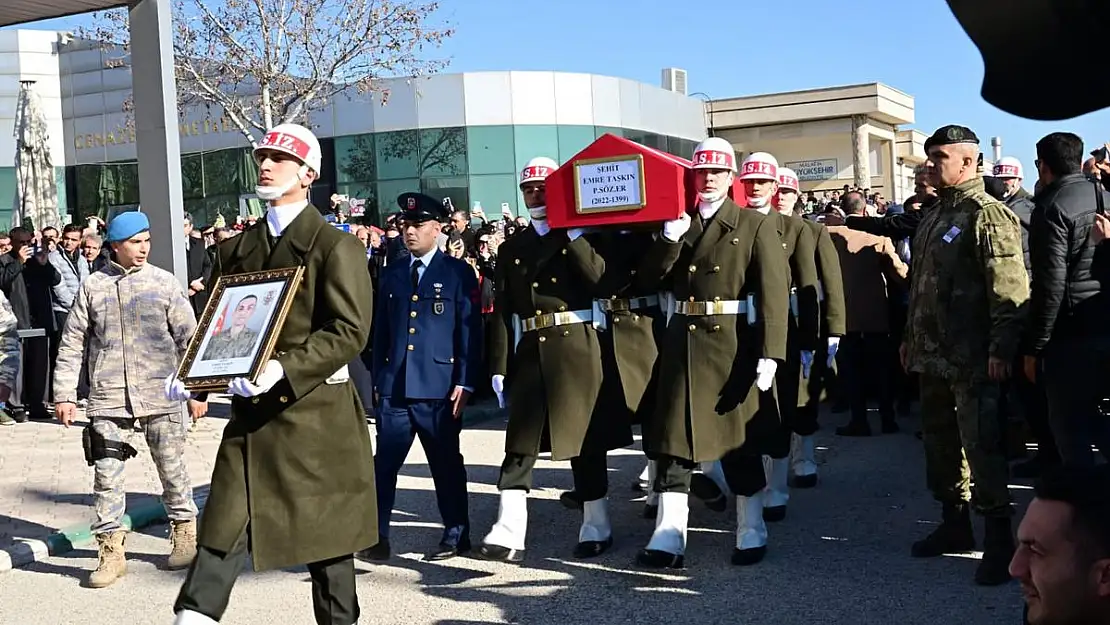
(1007, 167)
(295, 140)
(760, 166)
(538, 169)
(788, 179)
(715, 153)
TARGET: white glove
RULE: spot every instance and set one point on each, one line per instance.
(498, 384)
(807, 363)
(834, 345)
(175, 389)
(675, 228)
(574, 233)
(765, 373)
(272, 373)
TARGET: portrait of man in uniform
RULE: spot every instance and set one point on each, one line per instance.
(234, 338)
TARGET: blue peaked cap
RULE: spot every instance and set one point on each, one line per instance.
(127, 225)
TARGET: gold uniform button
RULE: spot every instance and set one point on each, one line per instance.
(411, 348)
(562, 309)
(716, 299)
(553, 280)
(415, 297)
(387, 359)
(566, 332)
(413, 314)
(451, 359)
(635, 317)
(716, 328)
(283, 399)
(254, 400)
(692, 298)
(693, 268)
(616, 319)
(543, 338)
(539, 312)
(564, 251)
(716, 268)
(735, 241)
(516, 261)
(693, 327)
(412, 330)
(535, 285)
(633, 272)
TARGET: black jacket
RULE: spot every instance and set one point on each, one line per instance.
(898, 226)
(1067, 300)
(1022, 204)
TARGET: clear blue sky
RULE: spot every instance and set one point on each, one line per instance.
(741, 48)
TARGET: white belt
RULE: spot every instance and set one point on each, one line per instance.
(627, 303)
(702, 309)
(340, 376)
(551, 320)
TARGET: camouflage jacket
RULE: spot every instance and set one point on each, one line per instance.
(968, 287)
(138, 323)
(9, 344)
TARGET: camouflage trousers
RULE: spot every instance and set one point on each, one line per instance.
(165, 436)
(960, 428)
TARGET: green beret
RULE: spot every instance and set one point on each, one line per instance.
(951, 134)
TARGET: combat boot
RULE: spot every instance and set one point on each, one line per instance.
(998, 550)
(183, 538)
(112, 559)
(953, 536)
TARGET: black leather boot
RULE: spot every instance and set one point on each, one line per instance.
(954, 535)
(998, 550)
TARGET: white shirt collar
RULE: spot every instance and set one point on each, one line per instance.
(541, 226)
(426, 259)
(766, 210)
(278, 218)
(708, 209)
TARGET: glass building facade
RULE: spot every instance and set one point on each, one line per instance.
(459, 136)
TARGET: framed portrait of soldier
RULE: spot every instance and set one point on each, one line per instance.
(238, 330)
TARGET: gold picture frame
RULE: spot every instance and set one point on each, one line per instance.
(238, 331)
(641, 184)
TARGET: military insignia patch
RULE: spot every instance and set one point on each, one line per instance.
(437, 308)
(954, 134)
(411, 203)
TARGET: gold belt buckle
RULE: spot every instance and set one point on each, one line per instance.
(697, 308)
(619, 305)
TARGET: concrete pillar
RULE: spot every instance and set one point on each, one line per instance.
(157, 142)
(894, 178)
(861, 159)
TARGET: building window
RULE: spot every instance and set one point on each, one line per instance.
(397, 155)
(533, 141)
(442, 152)
(490, 150)
(452, 187)
(354, 159)
(372, 212)
(388, 190)
(682, 148)
(572, 140)
(221, 172)
(192, 176)
(7, 188)
(491, 190)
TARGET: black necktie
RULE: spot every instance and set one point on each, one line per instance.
(415, 273)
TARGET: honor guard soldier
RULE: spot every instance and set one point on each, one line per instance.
(556, 377)
(967, 291)
(293, 481)
(730, 280)
(630, 322)
(830, 295)
(427, 352)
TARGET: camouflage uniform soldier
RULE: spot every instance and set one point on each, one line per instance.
(238, 340)
(9, 354)
(967, 289)
(137, 323)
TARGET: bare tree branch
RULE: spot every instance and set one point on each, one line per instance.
(266, 62)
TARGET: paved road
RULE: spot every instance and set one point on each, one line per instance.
(840, 557)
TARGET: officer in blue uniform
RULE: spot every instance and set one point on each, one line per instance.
(426, 356)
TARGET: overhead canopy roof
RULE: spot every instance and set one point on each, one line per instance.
(20, 11)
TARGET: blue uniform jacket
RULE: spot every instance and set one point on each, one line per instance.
(432, 338)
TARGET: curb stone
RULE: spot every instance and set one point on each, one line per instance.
(24, 552)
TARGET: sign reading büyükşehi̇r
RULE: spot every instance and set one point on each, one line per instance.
(609, 184)
(815, 170)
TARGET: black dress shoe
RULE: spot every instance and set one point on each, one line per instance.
(497, 553)
(854, 428)
(803, 481)
(378, 553)
(446, 551)
(571, 500)
(707, 490)
(748, 557)
(592, 548)
(655, 559)
(774, 514)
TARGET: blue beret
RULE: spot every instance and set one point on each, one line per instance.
(127, 225)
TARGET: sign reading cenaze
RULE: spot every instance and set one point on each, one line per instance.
(609, 184)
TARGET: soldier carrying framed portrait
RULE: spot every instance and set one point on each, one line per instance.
(236, 334)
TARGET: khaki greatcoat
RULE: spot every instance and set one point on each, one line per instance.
(800, 249)
(833, 312)
(707, 391)
(295, 467)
